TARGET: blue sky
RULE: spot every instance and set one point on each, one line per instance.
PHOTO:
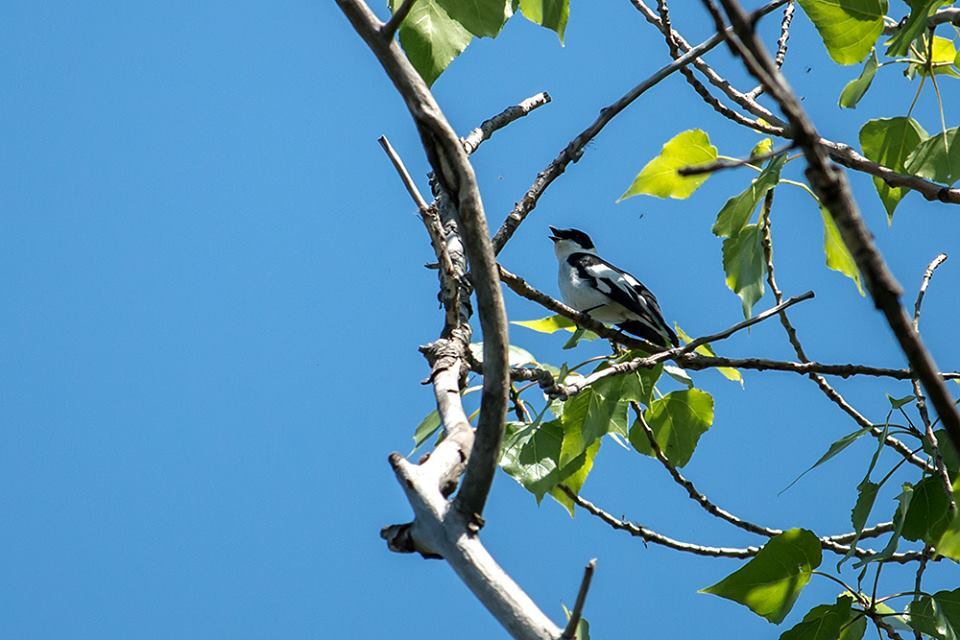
(213, 292)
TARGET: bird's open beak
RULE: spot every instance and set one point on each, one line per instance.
(555, 233)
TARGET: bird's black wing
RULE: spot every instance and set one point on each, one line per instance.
(624, 289)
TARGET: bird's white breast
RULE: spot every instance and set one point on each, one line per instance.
(580, 294)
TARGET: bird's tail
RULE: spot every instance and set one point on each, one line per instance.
(662, 335)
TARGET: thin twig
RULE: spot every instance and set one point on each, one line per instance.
(723, 163)
(449, 282)
(512, 113)
(929, 435)
(389, 29)
(404, 174)
(570, 631)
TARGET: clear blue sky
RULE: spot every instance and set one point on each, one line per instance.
(213, 291)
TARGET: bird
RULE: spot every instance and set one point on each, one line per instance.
(594, 286)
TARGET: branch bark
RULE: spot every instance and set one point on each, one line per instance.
(441, 527)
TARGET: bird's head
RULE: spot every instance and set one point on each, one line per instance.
(567, 241)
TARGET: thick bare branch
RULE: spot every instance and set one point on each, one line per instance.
(441, 527)
(831, 187)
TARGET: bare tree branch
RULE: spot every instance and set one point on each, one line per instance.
(570, 632)
(441, 527)
(649, 535)
(512, 113)
(389, 29)
(722, 163)
(831, 187)
(574, 149)
(929, 435)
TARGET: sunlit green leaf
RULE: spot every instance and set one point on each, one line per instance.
(920, 10)
(771, 582)
(763, 147)
(431, 38)
(848, 28)
(856, 88)
(660, 178)
(937, 158)
(737, 211)
(823, 622)
(479, 17)
(745, 266)
(551, 14)
(677, 420)
(837, 255)
(888, 141)
(944, 53)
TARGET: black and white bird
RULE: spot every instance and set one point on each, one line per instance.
(591, 285)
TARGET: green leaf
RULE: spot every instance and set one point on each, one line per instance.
(677, 420)
(944, 54)
(531, 454)
(836, 252)
(920, 10)
(482, 18)
(551, 14)
(427, 427)
(431, 38)
(888, 141)
(737, 211)
(938, 615)
(705, 349)
(763, 147)
(937, 158)
(856, 88)
(866, 497)
(771, 582)
(949, 543)
(745, 266)
(897, 403)
(848, 28)
(638, 386)
(898, 519)
(928, 515)
(660, 178)
(552, 324)
(549, 324)
(823, 622)
(833, 450)
(949, 454)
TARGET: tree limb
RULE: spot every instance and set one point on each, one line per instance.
(831, 187)
(441, 527)
(570, 632)
(514, 112)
